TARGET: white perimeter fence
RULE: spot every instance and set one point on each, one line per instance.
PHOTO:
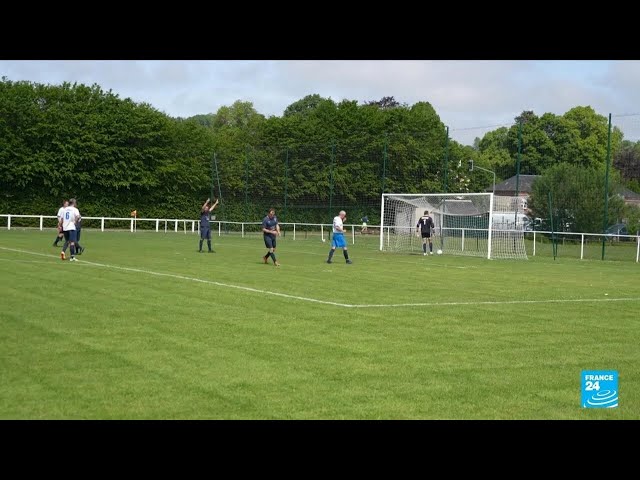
(571, 244)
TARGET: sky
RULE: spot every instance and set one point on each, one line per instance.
(471, 97)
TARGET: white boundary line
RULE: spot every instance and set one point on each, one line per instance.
(182, 277)
(325, 302)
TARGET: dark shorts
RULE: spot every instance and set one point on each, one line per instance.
(70, 235)
(426, 235)
(205, 233)
(270, 241)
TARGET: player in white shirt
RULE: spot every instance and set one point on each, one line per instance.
(337, 239)
(59, 235)
(70, 216)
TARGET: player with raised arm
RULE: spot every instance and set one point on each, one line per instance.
(270, 230)
(423, 227)
(205, 226)
(337, 239)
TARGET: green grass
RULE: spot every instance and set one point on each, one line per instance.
(144, 327)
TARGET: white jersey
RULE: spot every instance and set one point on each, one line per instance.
(60, 213)
(69, 218)
(337, 224)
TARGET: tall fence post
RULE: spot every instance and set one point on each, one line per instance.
(445, 180)
(246, 182)
(518, 160)
(384, 163)
(286, 182)
(333, 153)
(605, 220)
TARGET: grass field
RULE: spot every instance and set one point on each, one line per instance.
(144, 327)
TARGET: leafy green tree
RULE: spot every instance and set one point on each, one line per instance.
(384, 103)
(116, 155)
(577, 195)
(495, 155)
(578, 137)
(304, 105)
(627, 161)
(632, 217)
(113, 155)
(206, 120)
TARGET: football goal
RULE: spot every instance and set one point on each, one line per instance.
(473, 224)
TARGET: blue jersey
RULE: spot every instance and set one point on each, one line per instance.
(269, 224)
(204, 219)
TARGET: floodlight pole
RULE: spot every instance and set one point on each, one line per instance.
(472, 166)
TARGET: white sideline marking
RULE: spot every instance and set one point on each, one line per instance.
(502, 302)
(182, 277)
(325, 302)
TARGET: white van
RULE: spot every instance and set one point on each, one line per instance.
(511, 221)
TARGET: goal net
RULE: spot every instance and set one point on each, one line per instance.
(461, 222)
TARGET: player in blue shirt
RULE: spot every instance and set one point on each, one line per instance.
(205, 228)
(270, 230)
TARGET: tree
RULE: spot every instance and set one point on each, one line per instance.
(206, 120)
(113, 155)
(495, 155)
(577, 198)
(304, 105)
(537, 150)
(240, 114)
(627, 161)
(588, 145)
(384, 103)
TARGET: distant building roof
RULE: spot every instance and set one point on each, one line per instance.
(526, 182)
(458, 207)
(629, 194)
(509, 185)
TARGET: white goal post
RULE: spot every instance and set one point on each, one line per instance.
(462, 223)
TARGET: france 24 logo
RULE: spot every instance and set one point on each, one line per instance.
(599, 388)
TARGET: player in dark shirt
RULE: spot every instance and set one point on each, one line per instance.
(79, 248)
(365, 221)
(59, 234)
(271, 230)
(424, 226)
(205, 228)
